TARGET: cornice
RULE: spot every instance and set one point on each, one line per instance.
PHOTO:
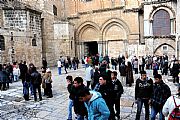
(104, 10)
(73, 17)
(101, 10)
(131, 10)
(156, 2)
(173, 37)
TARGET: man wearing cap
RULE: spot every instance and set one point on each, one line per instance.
(161, 92)
(143, 92)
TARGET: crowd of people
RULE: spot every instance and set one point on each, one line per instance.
(31, 78)
(102, 99)
(99, 98)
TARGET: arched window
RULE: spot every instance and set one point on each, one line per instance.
(55, 10)
(161, 23)
(34, 41)
(2, 43)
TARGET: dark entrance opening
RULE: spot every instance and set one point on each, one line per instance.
(91, 48)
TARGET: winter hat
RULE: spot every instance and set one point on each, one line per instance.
(48, 70)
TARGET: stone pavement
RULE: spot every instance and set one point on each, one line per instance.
(14, 107)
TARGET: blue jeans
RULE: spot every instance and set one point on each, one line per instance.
(70, 109)
(154, 112)
(31, 88)
(140, 103)
(79, 117)
(74, 66)
(16, 78)
(86, 65)
(59, 70)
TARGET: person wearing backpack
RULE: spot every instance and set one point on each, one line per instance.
(172, 104)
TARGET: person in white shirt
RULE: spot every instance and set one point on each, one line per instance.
(89, 75)
(170, 105)
(59, 65)
(16, 73)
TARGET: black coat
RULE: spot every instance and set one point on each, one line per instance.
(117, 89)
(143, 88)
(79, 107)
(36, 78)
(122, 70)
(175, 70)
(95, 78)
(106, 92)
(3, 77)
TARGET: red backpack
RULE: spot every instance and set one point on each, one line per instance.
(175, 114)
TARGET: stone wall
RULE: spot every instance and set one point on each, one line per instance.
(1, 18)
(106, 22)
(22, 46)
(153, 43)
(19, 29)
(52, 48)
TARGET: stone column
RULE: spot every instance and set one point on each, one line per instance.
(80, 51)
(100, 47)
(172, 26)
(106, 47)
(150, 28)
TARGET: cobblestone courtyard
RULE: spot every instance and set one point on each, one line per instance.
(14, 107)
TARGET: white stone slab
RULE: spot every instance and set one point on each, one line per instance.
(42, 114)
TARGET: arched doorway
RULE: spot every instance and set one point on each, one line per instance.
(165, 49)
(91, 48)
(88, 39)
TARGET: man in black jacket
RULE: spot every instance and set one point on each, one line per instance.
(117, 92)
(122, 70)
(143, 92)
(3, 78)
(79, 107)
(36, 83)
(105, 88)
(161, 92)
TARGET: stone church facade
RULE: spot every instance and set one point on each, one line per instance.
(160, 27)
(109, 25)
(87, 27)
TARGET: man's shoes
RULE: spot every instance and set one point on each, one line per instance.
(49, 96)
(118, 117)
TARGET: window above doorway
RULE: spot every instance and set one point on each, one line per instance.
(161, 23)
(2, 43)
